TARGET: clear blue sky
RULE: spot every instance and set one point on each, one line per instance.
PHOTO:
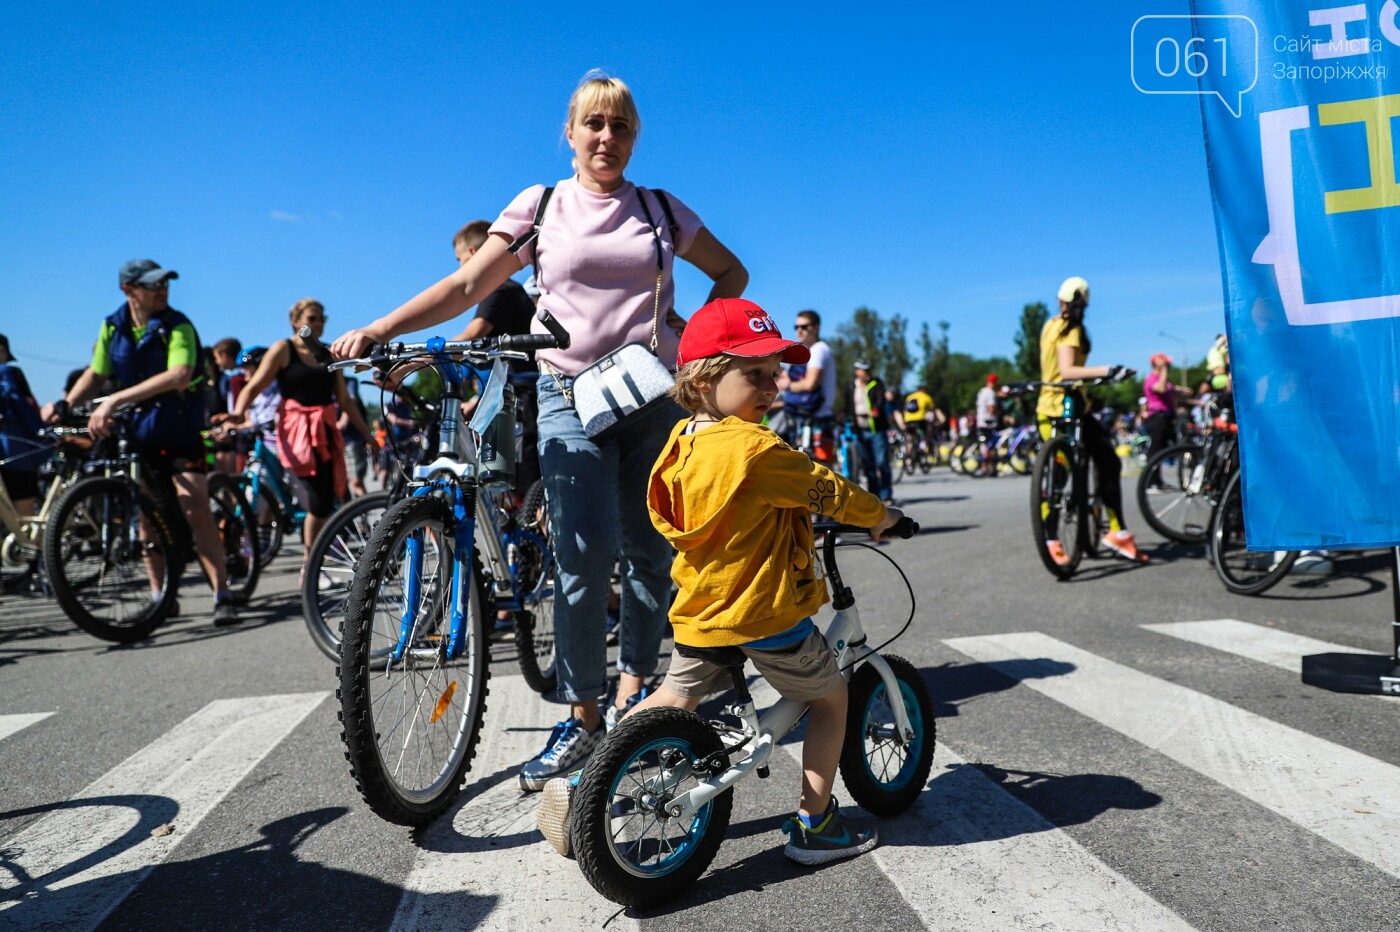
(919, 159)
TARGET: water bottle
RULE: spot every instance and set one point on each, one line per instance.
(498, 444)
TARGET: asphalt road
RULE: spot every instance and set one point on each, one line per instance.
(1105, 761)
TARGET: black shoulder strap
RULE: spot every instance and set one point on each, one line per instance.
(671, 223)
(526, 239)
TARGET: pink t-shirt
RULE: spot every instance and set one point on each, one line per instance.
(597, 259)
(1160, 394)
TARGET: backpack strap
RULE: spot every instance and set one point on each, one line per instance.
(671, 223)
(533, 235)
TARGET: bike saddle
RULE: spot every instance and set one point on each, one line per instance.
(723, 656)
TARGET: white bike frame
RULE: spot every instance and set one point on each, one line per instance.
(846, 639)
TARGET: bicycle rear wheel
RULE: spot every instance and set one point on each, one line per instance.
(411, 725)
(238, 533)
(109, 556)
(330, 568)
(1173, 496)
(1243, 571)
(628, 848)
(1058, 511)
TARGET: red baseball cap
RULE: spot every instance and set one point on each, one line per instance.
(992, 379)
(735, 327)
(1160, 358)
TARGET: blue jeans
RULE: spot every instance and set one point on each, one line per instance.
(875, 455)
(598, 516)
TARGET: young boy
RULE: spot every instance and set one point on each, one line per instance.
(736, 503)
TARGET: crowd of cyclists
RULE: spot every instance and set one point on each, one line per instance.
(601, 251)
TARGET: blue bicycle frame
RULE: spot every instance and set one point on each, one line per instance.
(453, 474)
(282, 498)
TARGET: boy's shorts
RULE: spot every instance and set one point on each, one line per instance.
(803, 672)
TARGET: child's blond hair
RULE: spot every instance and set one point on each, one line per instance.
(695, 373)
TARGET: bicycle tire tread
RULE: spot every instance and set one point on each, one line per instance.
(357, 731)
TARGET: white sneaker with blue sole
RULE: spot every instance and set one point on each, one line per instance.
(568, 746)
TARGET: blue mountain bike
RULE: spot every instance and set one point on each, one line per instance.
(413, 653)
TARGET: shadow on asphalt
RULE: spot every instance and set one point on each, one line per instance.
(33, 617)
(1069, 799)
(952, 684)
(230, 882)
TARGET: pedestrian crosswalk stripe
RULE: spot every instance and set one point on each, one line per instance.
(10, 724)
(1339, 794)
(1253, 642)
(487, 867)
(100, 843)
(971, 854)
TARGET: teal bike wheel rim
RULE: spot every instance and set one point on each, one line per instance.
(678, 852)
(879, 712)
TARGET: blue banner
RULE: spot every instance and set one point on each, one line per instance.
(1297, 102)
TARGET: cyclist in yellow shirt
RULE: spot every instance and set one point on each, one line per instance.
(1064, 348)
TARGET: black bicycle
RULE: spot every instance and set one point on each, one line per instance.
(1067, 518)
(1181, 485)
(117, 543)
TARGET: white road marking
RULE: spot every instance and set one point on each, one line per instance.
(102, 838)
(488, 867)
(970, 853)
(1253, 642)
(9, 724)
(1341, 795)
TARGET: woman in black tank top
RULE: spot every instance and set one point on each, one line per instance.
(309, 442)
(308, 384)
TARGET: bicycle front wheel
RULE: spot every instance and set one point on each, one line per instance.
(330, 568)
(109, 556)
(238, 536)
(1243, 571)
(1058, 512)
(410, 705)
(627, 846)
(884, 771)
(1173, 494)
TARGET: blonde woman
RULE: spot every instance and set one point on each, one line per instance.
(596, 257)
(308, 442)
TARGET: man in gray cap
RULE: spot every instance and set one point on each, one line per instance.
(152, 354)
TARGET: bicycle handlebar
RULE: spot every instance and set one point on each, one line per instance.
(319, 351)
(905, 528)
(504, 346)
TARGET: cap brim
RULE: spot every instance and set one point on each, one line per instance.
(793, 352)
(156, 275)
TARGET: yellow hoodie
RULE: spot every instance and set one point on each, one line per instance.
(736, 503)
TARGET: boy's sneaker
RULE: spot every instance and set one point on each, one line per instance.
(1124, 544)
(612, 715)
(830, 840)
(568, 746)
(1057, 552)
(553, 814)
(224, 612)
